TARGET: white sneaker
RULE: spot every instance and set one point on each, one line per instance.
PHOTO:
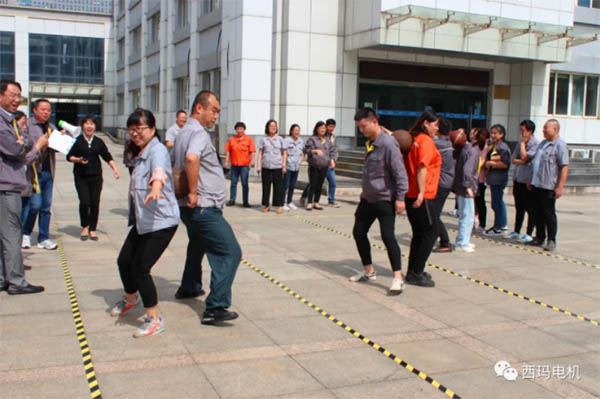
(526, 238)
(513, 236)
(292, 206)
(466, 248)
(47, 244)
(397, 287)
(26, 242)
(453, 212)
(286, 208)
(472, 245)
(362, 276)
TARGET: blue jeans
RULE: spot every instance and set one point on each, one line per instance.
(289, 184)
(332, 185)
(466, 217)
(39, 203)
(239, 172)
(210, 234)
(499, 207)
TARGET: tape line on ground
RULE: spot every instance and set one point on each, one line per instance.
(473, 280)
(448, 392)
(86, 354)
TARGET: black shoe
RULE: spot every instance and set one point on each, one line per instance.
(214, 316)
(535, 243)
(421, 280)
(230, 203)
(551, 246)
(247, 205)
(180, 294)
(441, 250)
(28, 289)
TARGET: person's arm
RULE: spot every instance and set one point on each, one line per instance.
(470, 172)
(226, 163)
(421, 182)
(398, 171)
(169, 144)
(251, 156)
(11, 147)
(259, 161)
(284, 155)
(192, 168)
(524, 155)
(158, 180)
(562, 179)
(113, 166)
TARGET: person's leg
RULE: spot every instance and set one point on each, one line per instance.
(469, 215)
(286, 185)
(83, 192)
(11, 234)
(439, 202)
(364, 217)
(424, 230)
(540, 220)
(461, 240)
(386, 214)
(481, 206)
(550, 214)
(503, 213)
(95, 190)
(332, 184)
(244, 171)
(306, 190)
(530, 209)
(321, 174)
(46, 186)
(25, 210)
(519, 196)
(191, 280)
(33, 205)
(293, 181)
(497, 205)
(417, 233)
(313, 179)
(266, 186)
(125, 262)
(235, 172)
(277, 187)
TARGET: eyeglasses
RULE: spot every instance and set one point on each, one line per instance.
(138, 130)
(13, 96)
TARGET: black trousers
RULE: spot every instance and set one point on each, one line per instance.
(316, 177)
(88, 191)
(365, 215)
(545, 214)
(138, 254)
(523, 204)
(424, 233)
(274, 177)
(438, 203)
(480, 206)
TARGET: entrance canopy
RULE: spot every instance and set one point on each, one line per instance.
(435, 29)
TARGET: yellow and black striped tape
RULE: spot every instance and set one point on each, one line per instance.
(86, 354)
(474, 280)
(379, 348)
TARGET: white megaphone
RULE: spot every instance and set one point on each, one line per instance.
(74, 130)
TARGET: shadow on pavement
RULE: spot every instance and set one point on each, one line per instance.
(120, 211)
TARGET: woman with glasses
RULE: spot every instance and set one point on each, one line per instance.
(85, 154)
(153, 215)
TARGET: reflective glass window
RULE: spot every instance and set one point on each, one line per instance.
(591, 96)
(577, 95)
(7, 55)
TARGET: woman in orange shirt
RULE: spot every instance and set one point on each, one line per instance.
(423, 166)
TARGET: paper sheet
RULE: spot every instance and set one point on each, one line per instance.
(60, 142)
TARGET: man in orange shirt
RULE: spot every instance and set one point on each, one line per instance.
(240, 151)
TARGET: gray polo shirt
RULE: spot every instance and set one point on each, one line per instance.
(12, 156)
(294, 150)
(194, 139)
(522, 173)
(384, 175)
(444, 146)
(549, 158)
(172, 133)
(272, 156)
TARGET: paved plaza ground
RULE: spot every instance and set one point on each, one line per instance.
(330, 338)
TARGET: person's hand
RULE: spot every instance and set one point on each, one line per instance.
(319, 153)
(116, 173)
(400, 207)
(83, 161)
(63, 132)
(283, 170)
(153, 196)
(252, 163)
(226, 164)
(489, 164)
(558, 192)
(470, 193)
(192, 200)
(332, 164)
(41, 143)
(419, 201)
(258, 170)
(529, 186)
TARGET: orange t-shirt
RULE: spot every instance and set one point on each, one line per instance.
(239, 149)
(423, 152)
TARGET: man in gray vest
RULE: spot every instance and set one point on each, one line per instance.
(201, 212)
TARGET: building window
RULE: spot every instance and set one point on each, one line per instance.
(182, 14)
(120, 104)
(209, 6)
(121, 6)
(211, 80)
(573, 94)
(7, 55)
(183, 93)
(154, 98)
(589, 3)
(136, 41)
(135, 96)
(66, 59)
(121, 51)
(154, 28)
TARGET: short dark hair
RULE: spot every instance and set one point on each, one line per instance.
(499, 127)
(317, 125)
(141, 115)
(37, 102)
(19, 115)
(528, 124)
(293, 126)
(240, 124)
(367, 112)
(5, 82)
(330, 121)
(180, 112)
(88, 117)
(202, 98)
(445, 126)
(267, 126)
